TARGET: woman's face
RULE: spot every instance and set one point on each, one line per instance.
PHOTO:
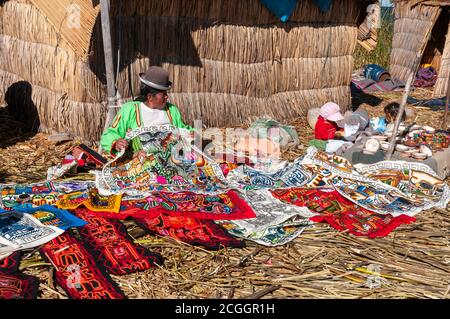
(158, 101)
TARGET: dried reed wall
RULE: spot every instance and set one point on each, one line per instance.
(65, 92)
(412, 24)
(232, 60)
(440, 88)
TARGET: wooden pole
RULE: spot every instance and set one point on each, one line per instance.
(109, 63)
(447, 100)
(408, 85)
(398, 119)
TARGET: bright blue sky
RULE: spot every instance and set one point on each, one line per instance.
(386, 3)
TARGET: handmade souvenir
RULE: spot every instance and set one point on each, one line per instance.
(92, 200)
(22, 231)
(170, 158)
(272, 217)
(110, 243)
(31, 195)
(189, 230)
(18, 286)
(79, 158)
(271, 236)
(414, 179)
(224, 206)
(340, 213)
(51, 216)
(77, 272)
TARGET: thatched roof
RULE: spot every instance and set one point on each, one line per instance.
(229, 60)
(414, 21)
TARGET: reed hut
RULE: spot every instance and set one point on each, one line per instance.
(230, 60)
(419, 23)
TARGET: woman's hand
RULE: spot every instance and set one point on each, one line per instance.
(140, 154)
(120, 144)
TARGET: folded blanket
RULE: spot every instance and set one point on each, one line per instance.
(368, 85)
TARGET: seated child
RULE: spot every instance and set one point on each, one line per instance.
(326, 127)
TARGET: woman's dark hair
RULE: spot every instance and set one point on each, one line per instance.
(145, 91)
(392, 109)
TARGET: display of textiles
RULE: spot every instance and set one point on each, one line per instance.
(372, 193)
(31, 195)
(340, 213)
(18, 286)
(22, 231)
(110, 243)
(226, 206)
(51, 216)
(273, 217)
(189, 230)
(412, 178)
(169, 158)
(77, 272)
(91, 200)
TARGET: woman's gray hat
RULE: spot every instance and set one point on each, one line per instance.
(156, 78)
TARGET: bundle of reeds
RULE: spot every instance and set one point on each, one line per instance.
(440, 88)
(412, 24)
(368, 30)
(63, 90)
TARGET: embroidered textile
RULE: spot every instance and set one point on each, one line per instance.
(110, 243)
(77, 272)
(22, 231)
(276, 223)
(340, 213)
(51, 216)
(18, 286)
(189, 230)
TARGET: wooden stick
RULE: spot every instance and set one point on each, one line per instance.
(400, 114)
(447, 100)
(109, 64)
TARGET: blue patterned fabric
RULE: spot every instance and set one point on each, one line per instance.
(282, 9)
(51, 216)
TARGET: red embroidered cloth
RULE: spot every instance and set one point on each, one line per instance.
(340, 213)
(192, 231)
(77, 272)
(109, 243)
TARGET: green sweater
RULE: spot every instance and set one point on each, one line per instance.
(130, 118)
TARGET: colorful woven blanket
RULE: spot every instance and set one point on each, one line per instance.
(77, 272)
(111, 245)
(340, 213)
(189, 230)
